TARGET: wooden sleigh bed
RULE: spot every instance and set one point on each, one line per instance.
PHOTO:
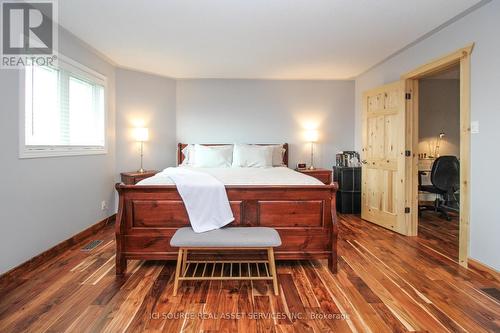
(304, 216)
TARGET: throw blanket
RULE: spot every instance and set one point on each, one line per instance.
(204, 196)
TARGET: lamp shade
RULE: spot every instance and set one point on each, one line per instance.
(141, 134)
(312, 136)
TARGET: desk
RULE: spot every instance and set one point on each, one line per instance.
(425, 165)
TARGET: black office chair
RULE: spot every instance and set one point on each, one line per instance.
(445, 179)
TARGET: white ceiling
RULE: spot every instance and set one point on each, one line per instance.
(271, 39)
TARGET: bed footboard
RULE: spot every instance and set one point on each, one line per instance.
(304, 216)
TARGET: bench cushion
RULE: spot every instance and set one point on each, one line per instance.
(227, 237)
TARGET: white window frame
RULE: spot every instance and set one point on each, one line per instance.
(56, 151)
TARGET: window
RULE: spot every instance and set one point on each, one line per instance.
(64, 111)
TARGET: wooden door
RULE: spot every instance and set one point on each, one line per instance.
(384, 174)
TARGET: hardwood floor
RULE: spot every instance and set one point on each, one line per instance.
(386, 283)
(439, 234)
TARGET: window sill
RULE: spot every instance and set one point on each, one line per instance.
(59, 152)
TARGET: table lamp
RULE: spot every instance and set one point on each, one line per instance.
(312, 137)
(438, 144)
(141, 134)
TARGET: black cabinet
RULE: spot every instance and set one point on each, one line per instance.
(349, 193)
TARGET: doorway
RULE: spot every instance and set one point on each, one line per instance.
(390, 150)
(460, 57)
(438, 160)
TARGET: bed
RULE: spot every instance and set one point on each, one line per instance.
(303, 214)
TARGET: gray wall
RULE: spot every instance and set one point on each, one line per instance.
(439, 111)
(46, 200)
(480, 27)
(268, 111)
(149, 101)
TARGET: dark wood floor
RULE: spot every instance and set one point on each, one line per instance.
(439, 234)
(386, 283)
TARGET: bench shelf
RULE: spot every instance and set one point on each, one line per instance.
(226, 270)
(220, 270)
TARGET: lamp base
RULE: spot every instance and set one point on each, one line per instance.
(141, 170)
(312, 167)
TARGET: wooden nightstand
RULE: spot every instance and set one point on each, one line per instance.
(132, 178)
(323, 175)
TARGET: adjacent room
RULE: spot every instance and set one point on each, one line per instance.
(438, 160)
(249, 166)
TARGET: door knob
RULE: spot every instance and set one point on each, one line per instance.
(364, 162)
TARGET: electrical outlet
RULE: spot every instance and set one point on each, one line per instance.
(104, 205)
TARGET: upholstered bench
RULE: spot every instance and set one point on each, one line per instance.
(232, 238)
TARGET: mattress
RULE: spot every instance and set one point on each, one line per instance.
(244, 176)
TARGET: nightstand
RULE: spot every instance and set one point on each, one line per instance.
(323, 175)
(132, 178)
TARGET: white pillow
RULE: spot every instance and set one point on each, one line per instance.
(212, 156)
(252, 156)
(278, 153)
(188, 153)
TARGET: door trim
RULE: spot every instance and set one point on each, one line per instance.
(462, 57)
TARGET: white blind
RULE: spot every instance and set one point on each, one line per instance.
(65, 107)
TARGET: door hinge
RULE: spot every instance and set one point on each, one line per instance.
(407, 96)
(407, 210)
(407, 153)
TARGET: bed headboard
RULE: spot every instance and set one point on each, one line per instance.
(181, 146)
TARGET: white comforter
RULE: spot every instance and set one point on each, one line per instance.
(243, 176)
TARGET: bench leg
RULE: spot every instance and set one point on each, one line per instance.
(178, 271)
(184, 261)
(272, 266)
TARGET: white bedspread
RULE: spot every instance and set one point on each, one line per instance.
(204, 196)
(244, 176)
